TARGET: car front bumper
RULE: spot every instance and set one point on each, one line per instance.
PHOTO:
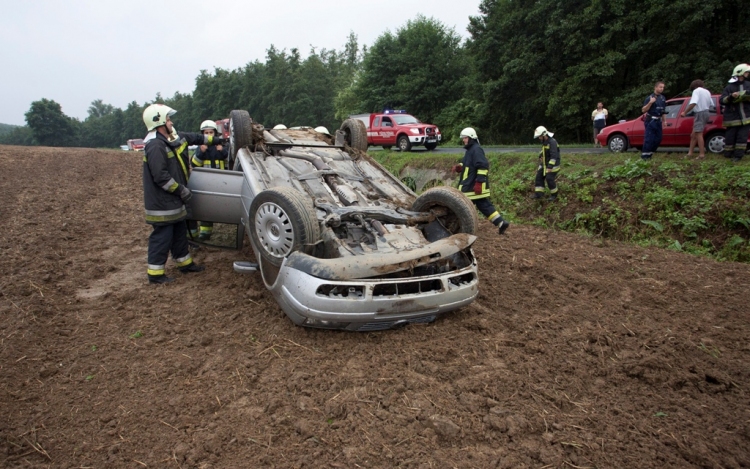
(368, 305)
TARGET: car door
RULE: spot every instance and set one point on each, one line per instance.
(672, 127)
(387, 132)
(683, 125)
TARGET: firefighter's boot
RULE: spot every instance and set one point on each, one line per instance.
(159, 279)
(502, 227)
(192, 268)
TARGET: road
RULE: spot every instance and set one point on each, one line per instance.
(563, 148)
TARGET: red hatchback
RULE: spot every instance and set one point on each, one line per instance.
(620, 137)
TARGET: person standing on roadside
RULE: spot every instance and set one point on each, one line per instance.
(700, 101)
(165, 192)
(474, 183)
(216, 157)
(654, 106)
(736, 101)
(599, 117)
(549, 164)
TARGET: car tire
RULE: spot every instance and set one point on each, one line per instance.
(240, 133)
(715, 142)
(617, 143)
(355, 134)
(403, 143)
(283, 222)
(430, 146)
(462, 215)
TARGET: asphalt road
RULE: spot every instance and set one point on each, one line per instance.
(563, 149)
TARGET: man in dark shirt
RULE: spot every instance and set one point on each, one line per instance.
(654, 106)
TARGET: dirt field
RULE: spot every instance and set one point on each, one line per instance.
(578, 353)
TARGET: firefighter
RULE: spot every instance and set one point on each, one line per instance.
(654, 106)
(165, 192)
(474, 182)
(549, 164)
(216, 157)
(736, 101)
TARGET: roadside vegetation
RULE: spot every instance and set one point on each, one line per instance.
(699, 207)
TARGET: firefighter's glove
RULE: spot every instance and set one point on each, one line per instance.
(457, 168)
(185, 194)
(478, 188)
(214, 140)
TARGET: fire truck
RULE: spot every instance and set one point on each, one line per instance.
(136, 144)
(398, 128)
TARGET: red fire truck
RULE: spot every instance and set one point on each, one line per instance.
(397, 128)
(136, 144)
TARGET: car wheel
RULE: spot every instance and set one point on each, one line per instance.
(387, 147)
(430, 146)
(403, 143)
(715, 143)
(240, 132)
(617, 143)
(355, 134)
(461, 216)
(283, 222)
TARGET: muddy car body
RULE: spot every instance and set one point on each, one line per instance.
(340, 242)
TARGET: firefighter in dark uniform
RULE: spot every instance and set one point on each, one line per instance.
(549, 164)
(474, 182)
(216, 157)
(165, 192)
(736, 102)
(654, 106)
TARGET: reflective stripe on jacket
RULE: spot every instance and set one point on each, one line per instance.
(736, 110)
(165, 170)
(211, 158)
(551, 155)
(475, 169)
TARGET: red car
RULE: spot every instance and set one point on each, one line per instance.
(620, 137)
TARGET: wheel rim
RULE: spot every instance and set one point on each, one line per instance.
(716, 144)
(616, 144)
(402, 144)
(274, 229)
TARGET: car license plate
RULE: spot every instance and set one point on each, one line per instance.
(431, 140)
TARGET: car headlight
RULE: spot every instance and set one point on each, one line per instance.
(414, 131)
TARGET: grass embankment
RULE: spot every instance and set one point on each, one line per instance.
(700, 207)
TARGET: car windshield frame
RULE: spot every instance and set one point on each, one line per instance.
(403, 119)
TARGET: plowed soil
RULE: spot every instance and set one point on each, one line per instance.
(578, 353)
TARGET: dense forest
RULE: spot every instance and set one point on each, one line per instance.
(524, 64)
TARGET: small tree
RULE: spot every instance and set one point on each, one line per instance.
(50, 126)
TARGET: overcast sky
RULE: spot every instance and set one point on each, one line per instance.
(76, 51)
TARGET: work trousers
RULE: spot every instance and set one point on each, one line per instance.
(488, 210)
(163, 240)
(735, 141)
(543, 177)
(652, 138)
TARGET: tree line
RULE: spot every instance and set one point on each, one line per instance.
(524, 64)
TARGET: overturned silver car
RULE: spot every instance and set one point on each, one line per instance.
(340, 242)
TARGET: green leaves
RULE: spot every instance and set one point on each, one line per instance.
(50, 126)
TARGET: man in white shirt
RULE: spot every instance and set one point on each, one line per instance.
(599, 116)
(701, 103)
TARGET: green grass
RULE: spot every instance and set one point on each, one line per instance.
(699, 207)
